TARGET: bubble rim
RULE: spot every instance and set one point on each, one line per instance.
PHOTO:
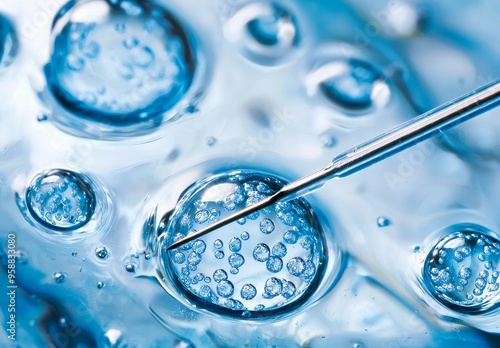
(445, 235)
(97, 225)
(332, 264)
(79, 125)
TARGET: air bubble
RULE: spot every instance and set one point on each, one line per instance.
(225, 288)
(59, 277)
(383, 221)
(266, 33)
(354, 85)
(266, 226)
(235, 244)
(61, 200)
(248, 292)
(101, 252)
(250, 262)
(261, 252)
(95, 41)
(236, 260)
(457, 277)
(274, 264)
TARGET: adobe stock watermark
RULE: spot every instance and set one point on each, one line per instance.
(40, 19)
(11, 321)
(409, 162)
(253, 144)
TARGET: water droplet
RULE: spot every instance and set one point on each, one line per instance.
(248, 292)
(457, 277)
(290, 237)
(354, 85)
(251, 264)
(235, 244)
(225, 288)
(219, 254)
(236, 260)
(210, 141)
(272, 287)
(59, 277)
(274, 264)
(267, 33)
(261, 252)
(199, 246)
(383, 221)
(266, 226)
(159, 64)
(130, 267)
(101, 252)
(100, 285)
(61, 200)
(296, 266)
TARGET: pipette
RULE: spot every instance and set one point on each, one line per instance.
(375, 150)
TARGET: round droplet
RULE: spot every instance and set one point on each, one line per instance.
(101, 252)
(199, 246)
(354, 85)
(218, 244)
(267, 33)
(61, 200)
(274, 264)
(248, 292)
(100, 285)
(261, 252)
(59, 277)
(457, 272)
(254, 272)
(383, 221)
(267, 226)
(236, 260)
(235, 244)
(102, 44)
(225, 288)
(279, 249)
(296, 266)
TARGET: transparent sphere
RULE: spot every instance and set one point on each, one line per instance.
(353, 85)
(119, 62)
(60, 200)
(265, 264)
(8, 42)
(462, 271)
(266, 32)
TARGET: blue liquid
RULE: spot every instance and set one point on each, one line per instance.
(356, 86)
(251, 263)
(8, 42)
(128, 67)
(462, 271)
(61, 200)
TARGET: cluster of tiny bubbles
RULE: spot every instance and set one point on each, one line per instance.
(266, 32)
(8, 42)
(61, 200)
(462, 271)
(354, 85)
(266, 264)
(119, 63)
